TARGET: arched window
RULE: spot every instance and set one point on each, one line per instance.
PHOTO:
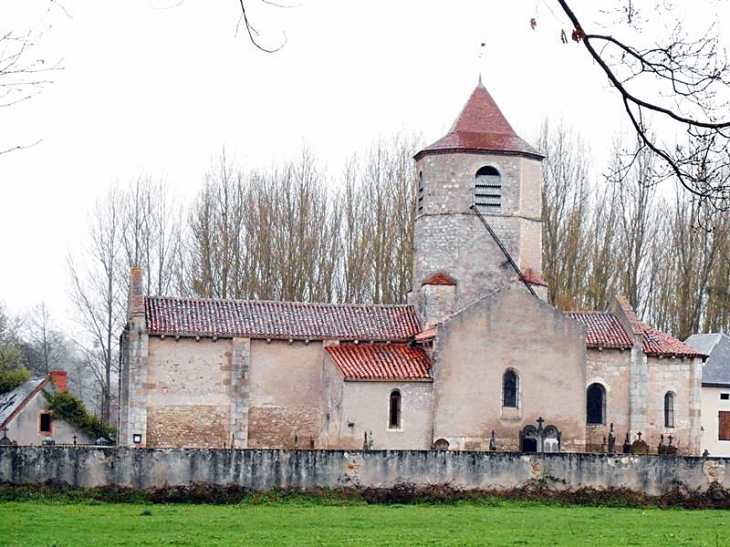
(596, 404)
(488, 189)
(510, 383)
(394, 410)
(669, 409)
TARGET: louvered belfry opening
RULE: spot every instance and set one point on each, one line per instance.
(488, 190)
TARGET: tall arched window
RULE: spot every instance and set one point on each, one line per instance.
(394, 410)
(596, 404)
(510, 383)
(669, 409)
(488, 189)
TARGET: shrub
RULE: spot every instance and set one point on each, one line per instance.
(70, 408)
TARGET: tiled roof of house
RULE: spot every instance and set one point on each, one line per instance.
(381, 362)
(657, 343)
(439, 278)
(228, 318)
(13, 401)
(481, 127)
(605, 331)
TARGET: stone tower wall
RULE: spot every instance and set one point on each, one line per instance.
(449, 237)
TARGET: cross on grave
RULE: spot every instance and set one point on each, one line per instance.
(639, 435)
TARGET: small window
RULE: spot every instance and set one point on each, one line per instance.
(488, 189)
(669, 409)
(394, 410)
(724, 396)
(724, 426)
(509, 389)
(596, 404)
(45, 423)
(420, 191)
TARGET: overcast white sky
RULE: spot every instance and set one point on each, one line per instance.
(158, 87)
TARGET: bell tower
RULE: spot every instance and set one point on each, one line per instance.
(480, 165)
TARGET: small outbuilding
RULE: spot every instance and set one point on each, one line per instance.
(25, 420)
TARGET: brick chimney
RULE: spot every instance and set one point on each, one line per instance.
(58, 377)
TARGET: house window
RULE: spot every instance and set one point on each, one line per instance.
(45, 423)
(596, 404)
(509, 389)
(394, 410)
(488, 189)
(669, 409)
(724, 426)
(724, 396)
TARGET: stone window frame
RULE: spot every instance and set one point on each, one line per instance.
(488, 189)
(395, 410)
(604, 403)
(670, 398)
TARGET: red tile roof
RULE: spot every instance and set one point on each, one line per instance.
(481, 127)
(439, 278)
(228, 318)
(658, 343)
(381, 362)
(605, 331)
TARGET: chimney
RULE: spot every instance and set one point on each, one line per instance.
(136, 292)
(58, 377)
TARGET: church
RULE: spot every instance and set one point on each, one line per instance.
(478, 360)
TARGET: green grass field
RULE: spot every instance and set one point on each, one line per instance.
(30, 523)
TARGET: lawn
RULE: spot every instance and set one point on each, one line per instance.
(47, 524)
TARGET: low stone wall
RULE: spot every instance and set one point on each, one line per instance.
(304, 469)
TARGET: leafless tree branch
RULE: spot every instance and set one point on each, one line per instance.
(694, 73)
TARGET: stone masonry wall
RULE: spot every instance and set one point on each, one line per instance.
(266, 469)
(449, 237)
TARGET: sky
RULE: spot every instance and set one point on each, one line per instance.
(159, 87)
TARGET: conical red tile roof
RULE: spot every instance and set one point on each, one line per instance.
(481, 127)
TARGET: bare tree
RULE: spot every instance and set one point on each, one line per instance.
(97, 294)
(378, 222)
(678, 83)
(23, 74)
(152, 233)
(637, 223)
(565, 202)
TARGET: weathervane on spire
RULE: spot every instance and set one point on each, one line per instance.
(482, 47)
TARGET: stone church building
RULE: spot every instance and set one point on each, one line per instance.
(477, 361)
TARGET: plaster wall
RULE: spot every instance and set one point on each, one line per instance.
(675, 376)
(449, 237)
(366, 405)
(187, 392)
(286, 387)
(712, 405)
(25, 427)
(509, 330)
(307, 469)
(611, 369)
